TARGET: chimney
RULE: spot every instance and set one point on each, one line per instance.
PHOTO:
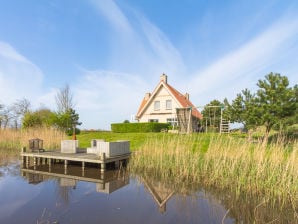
(164, 78)
(186, 95)
(147, 96)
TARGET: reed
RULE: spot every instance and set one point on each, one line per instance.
(15, 139)
(224, 162)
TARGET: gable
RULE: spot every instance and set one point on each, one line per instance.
(161, 94)
(164, 92)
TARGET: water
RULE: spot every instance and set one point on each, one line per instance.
(54, 195)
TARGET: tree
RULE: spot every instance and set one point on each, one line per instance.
(273, 106)
(242, 109)
(19, 109)
(276, 103)
(212, 113)
(6, 116)
(42, 117)
(64, 99)
(67, 121)
(66, 117)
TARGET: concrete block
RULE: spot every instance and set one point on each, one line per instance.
(69, 146)
(110, 148)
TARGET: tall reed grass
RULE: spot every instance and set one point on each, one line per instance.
(15, 139)
(224, 162)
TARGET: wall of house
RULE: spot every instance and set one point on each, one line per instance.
(163, 113)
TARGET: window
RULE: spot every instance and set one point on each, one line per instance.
(153, 120)
(169, 104)
(156, 105)
(172, 121)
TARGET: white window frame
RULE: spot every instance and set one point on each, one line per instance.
(168, 104)
(156, 105)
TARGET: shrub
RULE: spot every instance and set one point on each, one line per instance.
(138, 127)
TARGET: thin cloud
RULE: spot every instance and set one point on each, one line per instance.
(113, 14)
(138, 44)
(105, 97)
(251, 59)
(18, 76)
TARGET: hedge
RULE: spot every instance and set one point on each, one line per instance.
(138, 127)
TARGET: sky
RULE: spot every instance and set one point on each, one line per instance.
(111, 52)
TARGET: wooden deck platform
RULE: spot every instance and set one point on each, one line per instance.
(48, 157)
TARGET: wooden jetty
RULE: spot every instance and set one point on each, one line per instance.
(48, 157)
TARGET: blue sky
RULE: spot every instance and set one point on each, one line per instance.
(112, 52)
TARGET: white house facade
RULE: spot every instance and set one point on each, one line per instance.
(160, 105)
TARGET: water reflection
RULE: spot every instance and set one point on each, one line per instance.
(67, 179)
(37, 194)
(160, 192)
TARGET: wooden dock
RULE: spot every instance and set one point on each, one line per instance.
(49, 157)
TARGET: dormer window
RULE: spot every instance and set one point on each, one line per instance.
(156, 105)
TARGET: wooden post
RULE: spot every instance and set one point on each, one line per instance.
(65, 166)
(23, 149)
(117, 164)
(50, 164)
(27, 161)
(83, 168)
(103, 164)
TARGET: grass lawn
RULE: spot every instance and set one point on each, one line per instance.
(136, 139)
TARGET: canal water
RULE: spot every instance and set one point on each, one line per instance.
(57, 195)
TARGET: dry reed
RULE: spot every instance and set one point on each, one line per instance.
(225, 162)
(15, 139)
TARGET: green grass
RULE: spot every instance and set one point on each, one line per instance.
(136, 139)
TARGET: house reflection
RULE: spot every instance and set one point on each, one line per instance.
(160, 192)
(106, 182)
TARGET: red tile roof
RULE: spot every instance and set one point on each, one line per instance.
(184, 102)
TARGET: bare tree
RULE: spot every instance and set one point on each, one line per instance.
(21, 107)
(1, 114)
(5, 117)
(64, 99)
(18, 110)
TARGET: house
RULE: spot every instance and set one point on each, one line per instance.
(167, 105)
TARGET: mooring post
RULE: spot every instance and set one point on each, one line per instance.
(27, 161)
(117, 164)
(50, 164)
(103, 164)
(34, 163)
(83, 168)
(23, 149)
(102, 176)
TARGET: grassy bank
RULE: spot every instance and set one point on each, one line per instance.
(224, 162)
(136, 139)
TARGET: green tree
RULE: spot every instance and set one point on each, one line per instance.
(273, 106)
(276, 102)
(212, 114)
(39, 118)
(67, 121)
(243, 109)
(66, 118)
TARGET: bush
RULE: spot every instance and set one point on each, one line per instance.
(69, 132)
(138, 127)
